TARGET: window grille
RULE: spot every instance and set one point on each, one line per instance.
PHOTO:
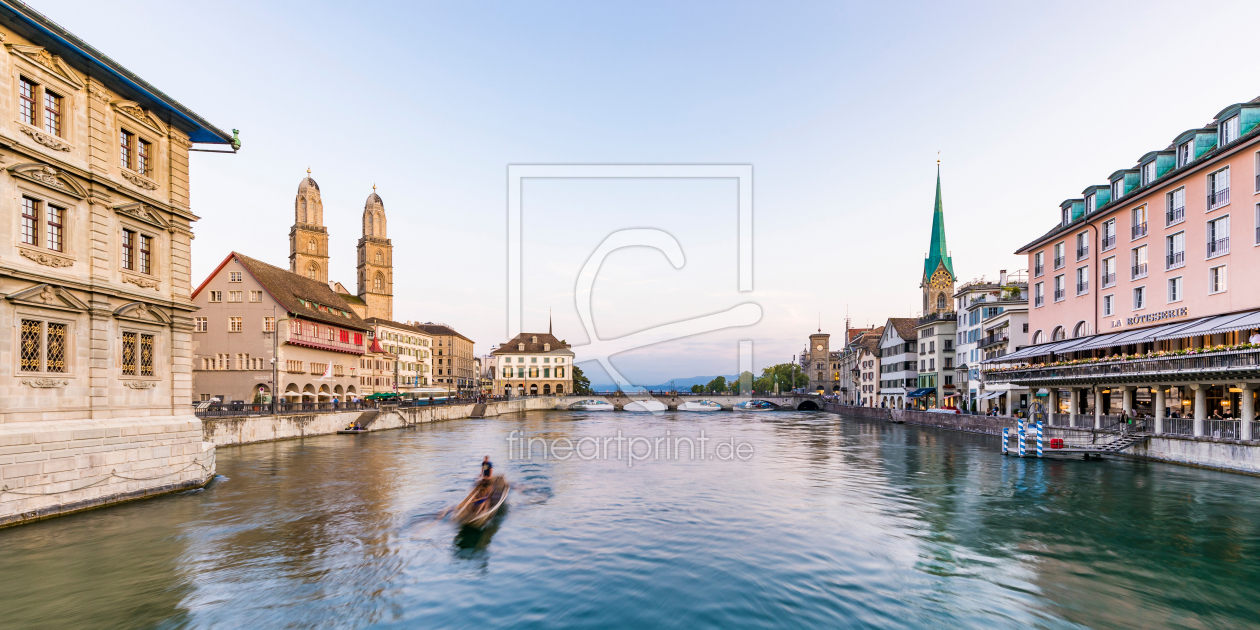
(32, 344)
(129, 354)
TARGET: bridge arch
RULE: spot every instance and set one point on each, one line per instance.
(807, 405)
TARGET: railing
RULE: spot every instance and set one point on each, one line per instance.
(944, 316)
(1255, 430)
(1107, 422)
(1223, 429)
(1218, 247)
(323, 342)
(1139, 271)
(1058, 262)
(1039, 300)
(1082, 253)
(224, 410)
(1176, 259)
(1108, 241)
(1218, 198)
(1059, 294)
(1175, 215)
(1082, 287)
(1139, 230)
(1040, 269)
(1108, 279)
(1191, 366)
(1179, 426)
(991, 340)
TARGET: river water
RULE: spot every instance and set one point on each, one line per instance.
(827, 522)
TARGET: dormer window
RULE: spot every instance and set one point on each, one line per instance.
(1117, 189)
(1148, 172)
(533, 339)
(520, 347)
(546, 347)
(1089, 204)
(1228, 131)
(1185, 153)
(1067, 215)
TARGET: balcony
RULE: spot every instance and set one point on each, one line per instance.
(1058, 262)
(1176, 215)
(1108, 241)
(1082, 287)
(1038, 270)
(1139, 230)
(1218, 247)
(1039, 300)
(1218, 198)
(943, 316)
(323, 343)
(1108, 279)
(1059, 294)
(1139, 271)
(1176, 259)
(1188, 368)
(1082, 253)
(992, 340)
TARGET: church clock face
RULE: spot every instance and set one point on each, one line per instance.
(940, 280)
(819, 347)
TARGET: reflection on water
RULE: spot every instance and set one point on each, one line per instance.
(832, 523)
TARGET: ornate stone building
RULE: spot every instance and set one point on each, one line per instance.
(95, 371)
(376, 261)
(308, 238)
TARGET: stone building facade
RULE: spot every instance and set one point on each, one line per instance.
(454, 364)
(308, 238)
(533, 364)
(95, 369)
(376, 261)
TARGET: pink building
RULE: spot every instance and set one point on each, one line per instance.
(1140, 294)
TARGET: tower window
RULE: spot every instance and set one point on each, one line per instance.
(313, 272)
(940, 301)
(379, 258)
(310, 246)
(378, 283)
(302, 217)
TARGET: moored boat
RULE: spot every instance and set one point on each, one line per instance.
(485, 500)
(700, 405)
(755, 405)
(645, 406)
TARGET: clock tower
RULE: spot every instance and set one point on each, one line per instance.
(817, 364)
(938, 268)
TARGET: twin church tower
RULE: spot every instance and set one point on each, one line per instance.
(308, 250)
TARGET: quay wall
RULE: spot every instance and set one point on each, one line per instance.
(73, 465)
(251, 429)
(1202, 452)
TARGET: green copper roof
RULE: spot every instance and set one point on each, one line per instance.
(939, 253)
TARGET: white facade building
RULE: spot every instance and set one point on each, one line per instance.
(899, 362)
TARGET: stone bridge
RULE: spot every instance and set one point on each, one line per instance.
(786, 402)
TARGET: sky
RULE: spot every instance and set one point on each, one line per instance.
(842, 109)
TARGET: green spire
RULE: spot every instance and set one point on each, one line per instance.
(939, 253)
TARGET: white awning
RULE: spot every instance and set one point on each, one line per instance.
(989, 395)
(1213, 325)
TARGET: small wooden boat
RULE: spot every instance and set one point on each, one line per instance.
(485, 500)
(351, 431)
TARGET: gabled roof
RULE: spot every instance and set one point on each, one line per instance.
(531, 346)
(380, 321)
(904, 326)
(440, 329)
(298, 295)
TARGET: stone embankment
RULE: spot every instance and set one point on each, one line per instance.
(1203, 452)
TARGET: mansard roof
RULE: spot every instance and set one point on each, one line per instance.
(532, 346)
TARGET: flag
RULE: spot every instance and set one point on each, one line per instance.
(327, 372)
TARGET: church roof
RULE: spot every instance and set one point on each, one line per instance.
(299, 295)
(938, 253)
(307, 182)
(531, 345)
(374, 199)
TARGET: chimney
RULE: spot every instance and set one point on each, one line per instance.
(1002, 278)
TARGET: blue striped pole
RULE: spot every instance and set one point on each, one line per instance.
(1040, 431)
(1006, 440)
(1022, 437)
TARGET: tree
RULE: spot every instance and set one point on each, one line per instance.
(697, 389)
(581, 384)
(789, 376)
(717, 385)
(737, 386)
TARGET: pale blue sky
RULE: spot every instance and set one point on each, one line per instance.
(840, 108)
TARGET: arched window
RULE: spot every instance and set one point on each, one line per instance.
(380, 259)
(1083, 329)
(303, 215)
(940, 301)
(378, 283)
(1059, 334)
(310, 246)
(313, 272)
(368, 230)
(1039, 337)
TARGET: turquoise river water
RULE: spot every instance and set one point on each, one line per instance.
(827, 522)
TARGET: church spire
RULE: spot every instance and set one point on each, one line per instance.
(938, 254)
